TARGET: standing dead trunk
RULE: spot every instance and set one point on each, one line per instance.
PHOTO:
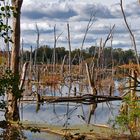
(131, 35)
(12, 112)
(37, 46)
(54, 50)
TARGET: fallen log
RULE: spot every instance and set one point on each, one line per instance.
(85, 98)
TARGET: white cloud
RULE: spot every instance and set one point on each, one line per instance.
(27, 26)
(50, 12)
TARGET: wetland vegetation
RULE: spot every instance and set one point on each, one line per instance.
(53, 93)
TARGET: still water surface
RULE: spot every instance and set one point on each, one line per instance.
(63, 114)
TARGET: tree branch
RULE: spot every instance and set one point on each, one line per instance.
(131, 34)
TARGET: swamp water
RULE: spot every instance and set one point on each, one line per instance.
(64, 114)
(71, 113)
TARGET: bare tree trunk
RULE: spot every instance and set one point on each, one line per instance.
(89, 25)
(31, 63)
(54, 51)
(131, 35)
(37, 45)
(109, 36)
(62, 66)
(89, 79)
(21, 55)
(12, 112)
(70, 78)
(24, 70)
(69, 49)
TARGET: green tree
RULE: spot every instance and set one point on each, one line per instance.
(12, 112)
(129, 55)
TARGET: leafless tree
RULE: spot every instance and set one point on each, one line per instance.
(131, 34)
(37, 44)
(89, 25)
(54, 49)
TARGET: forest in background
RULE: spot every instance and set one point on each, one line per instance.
(111, 56)
(95, 78)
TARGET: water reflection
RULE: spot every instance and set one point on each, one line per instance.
(72, 113)
(41, 136)
(68, 113)
(16, 133)
(63, 114)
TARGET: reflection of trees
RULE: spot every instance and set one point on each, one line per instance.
(92, 111)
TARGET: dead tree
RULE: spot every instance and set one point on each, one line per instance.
(102, 46)
(69, 49)
(131, 34)
(70, 78)
(37, 45)
(54, 49)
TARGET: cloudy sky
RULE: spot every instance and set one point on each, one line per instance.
(49, 13)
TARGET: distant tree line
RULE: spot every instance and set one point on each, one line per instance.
(107, 57)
